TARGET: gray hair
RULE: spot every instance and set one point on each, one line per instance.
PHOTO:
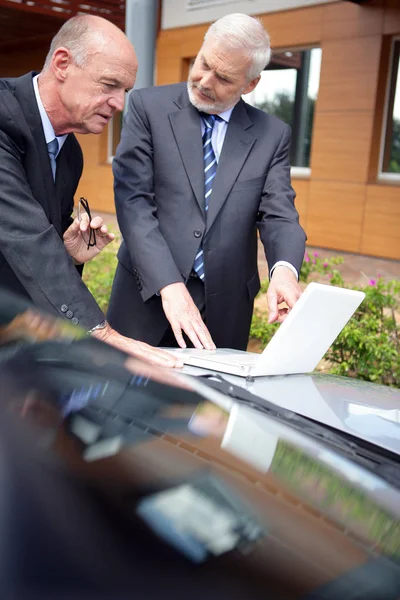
(77, 35)
(240, 31)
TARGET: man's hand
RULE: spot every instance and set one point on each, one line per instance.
(76, 234)
(283, 287)
(138, 350)
(183, 315)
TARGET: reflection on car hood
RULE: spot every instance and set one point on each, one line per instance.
(365, 410)
(210, 476)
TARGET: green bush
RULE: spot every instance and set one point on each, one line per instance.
(369, 346)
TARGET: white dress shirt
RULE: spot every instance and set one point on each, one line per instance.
(217, 141)
(47, 126)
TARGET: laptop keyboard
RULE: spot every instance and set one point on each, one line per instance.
(241, 358)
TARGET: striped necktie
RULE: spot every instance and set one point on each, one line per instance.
(210, 170)
(52, 149)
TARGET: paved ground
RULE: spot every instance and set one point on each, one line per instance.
(356, 269)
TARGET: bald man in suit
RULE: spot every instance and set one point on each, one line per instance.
(89, 67)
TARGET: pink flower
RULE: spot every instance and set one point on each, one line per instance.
(325, 265)
(372, 282)
(315, 254)
(306, 257)
(379, 275)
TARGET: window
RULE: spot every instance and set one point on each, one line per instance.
(390, 164)
(288, 89)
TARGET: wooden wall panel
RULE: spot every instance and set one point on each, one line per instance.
(97, 180)
(174, 49)
(349, 83)
(335, 215)
(294, 27)
(191, 43)
(341, 144)
(391, 23)
(381, 232)
(169, 70)
(301, 187)
(346, 19)
(17, 63)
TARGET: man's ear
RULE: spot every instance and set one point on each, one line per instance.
(251, 85)
(60, 62)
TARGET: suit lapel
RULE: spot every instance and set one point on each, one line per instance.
(185, 124)
(26, 97)
(235, 150)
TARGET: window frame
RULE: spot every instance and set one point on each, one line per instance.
(385, 176)
(110, 138)
(110, 135)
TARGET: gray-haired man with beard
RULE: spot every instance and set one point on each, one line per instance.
(197, 172)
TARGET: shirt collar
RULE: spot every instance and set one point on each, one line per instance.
(226, 115)
(46, 124)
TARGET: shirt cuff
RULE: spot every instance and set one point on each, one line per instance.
(283, 263)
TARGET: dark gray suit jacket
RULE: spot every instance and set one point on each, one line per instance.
(159, 192)
(35, 211)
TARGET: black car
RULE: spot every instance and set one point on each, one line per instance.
(120, 480)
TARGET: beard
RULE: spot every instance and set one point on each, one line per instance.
(211, 107)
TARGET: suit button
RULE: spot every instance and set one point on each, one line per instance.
(75, 321)
(197, 233)
(64, 308)
(69, 314)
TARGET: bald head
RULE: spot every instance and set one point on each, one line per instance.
(90, 66)
(84, 35)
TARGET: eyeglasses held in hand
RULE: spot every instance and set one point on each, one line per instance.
(89, 237)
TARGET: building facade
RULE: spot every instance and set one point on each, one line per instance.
(347, 159)
(334, 78)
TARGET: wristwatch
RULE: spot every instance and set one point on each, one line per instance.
(101, 325)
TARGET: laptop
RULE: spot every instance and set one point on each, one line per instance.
(298, 345)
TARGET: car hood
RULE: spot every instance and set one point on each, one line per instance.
(194, 464)
(368, 411)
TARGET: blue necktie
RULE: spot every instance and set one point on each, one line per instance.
(210, 170)
(52, 148)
